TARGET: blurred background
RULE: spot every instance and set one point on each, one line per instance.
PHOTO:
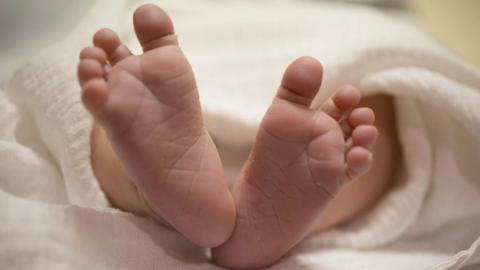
(27, 26)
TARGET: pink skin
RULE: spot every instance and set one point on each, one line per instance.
(299, 161)
(148, 105)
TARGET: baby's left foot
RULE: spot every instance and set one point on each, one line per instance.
(300, 160)
(149, 106)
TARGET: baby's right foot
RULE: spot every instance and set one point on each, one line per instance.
(149, 106)
(299, 161)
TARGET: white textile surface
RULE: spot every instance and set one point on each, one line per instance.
(53, 215)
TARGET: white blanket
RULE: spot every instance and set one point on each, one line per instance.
(53, 215)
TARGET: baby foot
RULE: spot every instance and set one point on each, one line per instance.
(300, 160)
(148, 104)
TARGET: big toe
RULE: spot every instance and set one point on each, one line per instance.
(301, 81)
(291, 107)
(153, 27)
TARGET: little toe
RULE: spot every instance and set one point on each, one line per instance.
(153, 27)
(301, 81)
(94, 95)
(89, 69)
(359, 160)
(364, 136)
(361, 116)
(109, 41)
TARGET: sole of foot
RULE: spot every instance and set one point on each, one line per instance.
(149, 107)
(300, 159)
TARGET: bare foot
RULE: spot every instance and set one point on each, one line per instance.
(148, 105)
(300, 160)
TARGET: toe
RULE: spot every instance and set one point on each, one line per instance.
(361, 116)
(94, 95)
(110, 43)
(331, 109)
(359, 160)
(94, 53)
(340, 106)
(301, 81)
(89, 69)
(94, 86)
(364, 136)
(153, 27)
(344, 100)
